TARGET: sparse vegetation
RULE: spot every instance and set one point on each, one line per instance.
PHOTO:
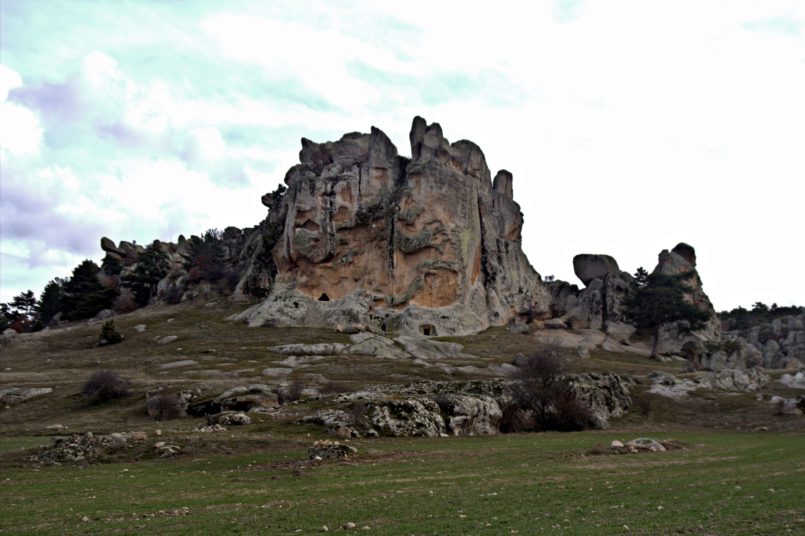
(105, 385)
(109, 335)
(166, 406)
(543, 399)
(660, 302)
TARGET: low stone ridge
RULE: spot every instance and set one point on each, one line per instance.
(11, 396)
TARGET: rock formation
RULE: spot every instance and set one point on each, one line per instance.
(427, 245)
(681, 262)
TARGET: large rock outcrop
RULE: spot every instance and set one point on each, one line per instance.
(681, 262)
(427, 245)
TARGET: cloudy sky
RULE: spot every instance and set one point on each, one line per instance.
(629, 125)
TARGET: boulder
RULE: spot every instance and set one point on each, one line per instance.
(646, 444)
(11, 396)
(466, 415)
(408, 417)
(589, 267)
(324, 449)
(794, 381)
(229, 418)
(605, 394)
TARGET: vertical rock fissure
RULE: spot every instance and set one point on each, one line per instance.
(488, 277)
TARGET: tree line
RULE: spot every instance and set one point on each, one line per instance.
(91, 288)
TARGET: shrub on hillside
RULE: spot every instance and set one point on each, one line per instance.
(109, 334)
(165, 406)
(291, 393)
(542, 399)
(125, 302)
(105, 385)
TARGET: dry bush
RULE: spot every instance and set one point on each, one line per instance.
(542, 399)
(292, 393)
(330, 387)
(125, 302)
(164, 406)
(105, 385)
(357, 411)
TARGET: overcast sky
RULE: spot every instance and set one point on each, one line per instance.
(629, 126)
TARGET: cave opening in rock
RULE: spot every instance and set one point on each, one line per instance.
(427, 330)
(324, 297)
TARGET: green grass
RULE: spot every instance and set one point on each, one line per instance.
(725, 483)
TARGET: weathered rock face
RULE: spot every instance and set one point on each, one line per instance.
(428, 245)
(681, 261)
(779, 343)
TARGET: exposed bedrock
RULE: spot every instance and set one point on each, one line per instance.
(425, 245)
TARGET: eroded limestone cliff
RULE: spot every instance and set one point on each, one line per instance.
(429, 244)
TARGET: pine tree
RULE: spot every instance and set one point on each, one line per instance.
(50, 302)
(152, 266)
(84, 296)
(662, 302)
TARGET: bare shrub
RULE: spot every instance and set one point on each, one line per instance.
(291, 393)
(173, 296)
(125, 302)
(165, 406)
(642, 403)
(516, 419)
(542, 399)
(357, 411)
(330, 387)
(105, 385)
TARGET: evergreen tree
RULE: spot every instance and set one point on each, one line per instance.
(25, 304)
(152, 266)
(50, 302)
(206, 259)
(662, 302)
(84, 296)
(641, 277)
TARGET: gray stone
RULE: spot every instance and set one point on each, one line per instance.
(277, 372)
(229, 418)
(11, 396)
(167, 339)
(410, 417)
(178, 364)
(646, 444)
(589, 267)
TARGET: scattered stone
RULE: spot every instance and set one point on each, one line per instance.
(210, 428)
(11, 396)
(85, 448)
(178, 364)
(9, 333)
(166, 450)
(229, 418)
(277, 372)
(616, 444)
(646, 444)
(795, 381)
(139, 328)
(167, 339)
(350, 526)
(325, 449)
(554, 323)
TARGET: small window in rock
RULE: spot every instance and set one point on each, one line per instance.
(324, 297)
(427, 330)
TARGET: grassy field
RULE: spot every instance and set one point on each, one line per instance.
(723, 483)
(731, 478)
